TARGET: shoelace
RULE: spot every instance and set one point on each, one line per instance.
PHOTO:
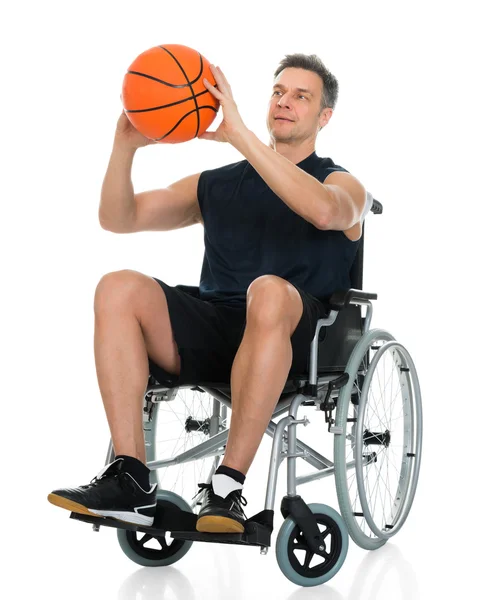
(103, 474)
(208, 486)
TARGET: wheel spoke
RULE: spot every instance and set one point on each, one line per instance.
(308, 557)
(180, 424)
(145, 538)
(378, 483)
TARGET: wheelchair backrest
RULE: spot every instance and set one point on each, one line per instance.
(337, 341)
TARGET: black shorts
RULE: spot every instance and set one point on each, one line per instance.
(208, 336)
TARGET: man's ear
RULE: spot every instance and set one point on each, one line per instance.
(326, 113)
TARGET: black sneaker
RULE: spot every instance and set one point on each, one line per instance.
(218, 514)
(112, 493)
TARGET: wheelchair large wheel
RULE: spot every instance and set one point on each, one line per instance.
(302, 566)
(377, 455)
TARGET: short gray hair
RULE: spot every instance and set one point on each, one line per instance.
(312, 62)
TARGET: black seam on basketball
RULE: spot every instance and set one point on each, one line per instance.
(184, 117)
(182, 85)
(201, 66)
(190, 85)
(138, 110)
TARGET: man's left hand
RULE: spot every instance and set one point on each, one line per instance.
(232, 124)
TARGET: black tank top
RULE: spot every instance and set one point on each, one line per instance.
(249, 231)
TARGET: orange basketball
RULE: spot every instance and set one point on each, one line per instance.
(164, 95)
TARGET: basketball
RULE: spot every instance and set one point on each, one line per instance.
(164, 95)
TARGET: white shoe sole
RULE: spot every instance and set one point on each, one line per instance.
(127, 517)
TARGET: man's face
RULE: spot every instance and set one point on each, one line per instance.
(294, 106)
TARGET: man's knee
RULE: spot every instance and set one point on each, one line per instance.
(119, 288)
(273, 301)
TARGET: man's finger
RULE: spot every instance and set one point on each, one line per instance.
(214, 91)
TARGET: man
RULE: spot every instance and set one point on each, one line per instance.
(281, 231)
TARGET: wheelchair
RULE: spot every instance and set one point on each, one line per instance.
(365, 384)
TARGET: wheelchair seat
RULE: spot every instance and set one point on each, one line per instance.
(334, 348)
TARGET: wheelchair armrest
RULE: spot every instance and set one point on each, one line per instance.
(343, 298)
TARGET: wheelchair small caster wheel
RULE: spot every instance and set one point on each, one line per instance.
(155, 551)
(298, 563)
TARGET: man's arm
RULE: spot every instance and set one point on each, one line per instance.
(318, 203)
(304, 194)
(348, 200)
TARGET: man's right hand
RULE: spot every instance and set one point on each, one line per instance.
(127, 135)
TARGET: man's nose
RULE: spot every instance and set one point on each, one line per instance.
(283, 101)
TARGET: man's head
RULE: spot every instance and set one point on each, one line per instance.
(304, 92)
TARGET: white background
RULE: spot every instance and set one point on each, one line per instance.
(413, 123)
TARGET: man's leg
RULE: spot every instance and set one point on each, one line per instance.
(131, 322)
(261, 365)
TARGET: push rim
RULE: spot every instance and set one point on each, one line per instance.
(348, 403)
(388, 439)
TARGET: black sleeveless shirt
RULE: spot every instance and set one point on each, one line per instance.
(249, 231)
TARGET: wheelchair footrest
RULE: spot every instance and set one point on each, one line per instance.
(257, 533)
(182, 525)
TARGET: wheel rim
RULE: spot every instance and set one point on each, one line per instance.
(314, 565)
(147, 545)
(156, 550)
(312, 571)
(388, 439)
